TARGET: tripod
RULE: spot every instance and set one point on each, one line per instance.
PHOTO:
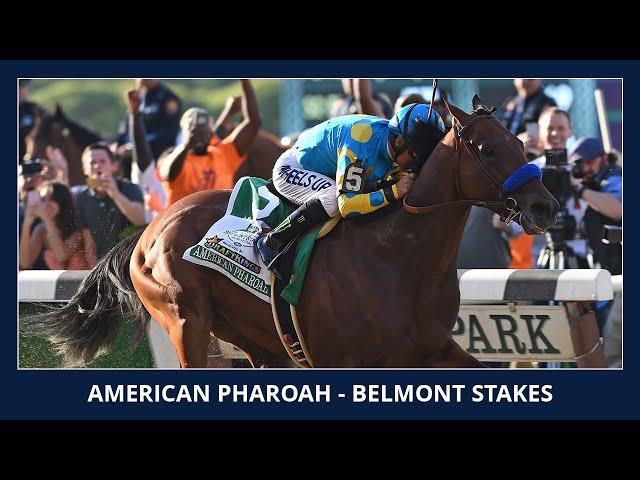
(557, 254)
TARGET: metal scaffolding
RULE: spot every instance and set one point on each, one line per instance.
(584, 117)
(462, 92)
(291, 113)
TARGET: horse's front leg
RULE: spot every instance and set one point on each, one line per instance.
(452, 355)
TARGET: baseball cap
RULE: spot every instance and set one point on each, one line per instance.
(586, 148)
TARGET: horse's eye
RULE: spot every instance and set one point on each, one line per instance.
(487, 150)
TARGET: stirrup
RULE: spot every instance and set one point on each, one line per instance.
(274, 265)
(265, 252)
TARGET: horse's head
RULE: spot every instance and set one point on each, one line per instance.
(57, 130)
(491, 166)
(48, 130)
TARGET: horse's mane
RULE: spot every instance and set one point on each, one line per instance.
(80, 134)
(483, 111)
(42, 128)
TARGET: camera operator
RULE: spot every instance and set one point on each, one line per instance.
(597, 180)
(554, 130)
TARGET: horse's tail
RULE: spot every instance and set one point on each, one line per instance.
(87, 326)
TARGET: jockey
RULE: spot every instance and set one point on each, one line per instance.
(343, 166)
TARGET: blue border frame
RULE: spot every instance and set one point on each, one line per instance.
(61, 394)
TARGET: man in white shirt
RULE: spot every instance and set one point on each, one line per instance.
(554, 131)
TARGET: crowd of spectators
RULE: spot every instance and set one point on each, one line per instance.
(163, 153)
(158, 156)
(170, 154)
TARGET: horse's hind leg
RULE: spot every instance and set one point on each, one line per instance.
(261, 358)
(189, 333)
(452, 355)
(257, 355)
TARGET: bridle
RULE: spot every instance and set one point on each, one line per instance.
(506, 202)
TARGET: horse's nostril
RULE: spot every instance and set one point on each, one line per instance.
(540, 210)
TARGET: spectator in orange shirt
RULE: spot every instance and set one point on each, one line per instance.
(202, 161)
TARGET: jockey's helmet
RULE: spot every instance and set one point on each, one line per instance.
(404, 120)
(421, 135)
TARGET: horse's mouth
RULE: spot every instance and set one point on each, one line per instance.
(530, 228)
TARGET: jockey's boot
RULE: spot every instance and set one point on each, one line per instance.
(272, 245)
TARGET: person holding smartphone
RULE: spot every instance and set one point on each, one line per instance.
(106, 205)
(30, 178)
(56, 236)
(531, 140)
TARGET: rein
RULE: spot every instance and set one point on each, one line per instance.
(518, 178)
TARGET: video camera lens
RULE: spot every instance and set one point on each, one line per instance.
(555, 175)
(576, 169)
(555, 157)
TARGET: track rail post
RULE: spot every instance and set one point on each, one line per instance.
(585, 335)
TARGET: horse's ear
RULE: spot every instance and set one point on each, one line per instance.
(478, 104)
(458, 115)
(58, 113)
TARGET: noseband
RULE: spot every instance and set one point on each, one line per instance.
(516, 180)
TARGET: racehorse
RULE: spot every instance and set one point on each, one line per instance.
(381, 289)
(59, 131)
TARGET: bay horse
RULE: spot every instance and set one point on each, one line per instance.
(381, 289)
(59, 131)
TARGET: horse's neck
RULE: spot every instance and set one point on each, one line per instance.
(432, 240)
(437, 180)
(74, 143)
(82, 135)
(73, 154)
